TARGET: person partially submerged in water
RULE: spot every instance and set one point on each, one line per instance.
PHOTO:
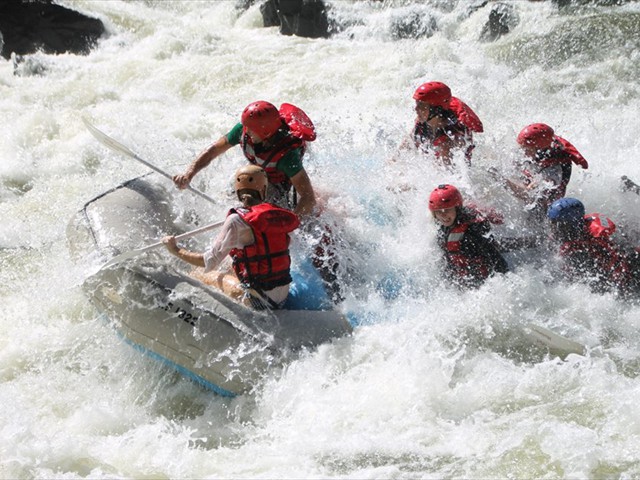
(471, 253)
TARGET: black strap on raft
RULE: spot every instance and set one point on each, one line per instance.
(260, 300)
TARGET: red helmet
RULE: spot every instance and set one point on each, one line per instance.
(445, 196)
(538, 135)
(262, 118)
(436, 94)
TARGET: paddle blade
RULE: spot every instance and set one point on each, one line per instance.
(109, 142)
(557, 344)
(106, 140)
(124, 256)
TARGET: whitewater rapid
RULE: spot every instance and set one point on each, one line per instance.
(436, 383)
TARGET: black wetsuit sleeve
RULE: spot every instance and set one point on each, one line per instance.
(518, 243)
(479, 240)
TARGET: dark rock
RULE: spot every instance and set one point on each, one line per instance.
(269, 12)
(601, 3)
(412, 24)
(502, 19)
(29, 26)
(243, 5)
(303, 18)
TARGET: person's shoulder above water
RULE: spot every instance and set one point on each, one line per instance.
(588, 252)
(444, 123)
(235, 134)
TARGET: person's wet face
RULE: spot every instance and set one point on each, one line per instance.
(254, 136)
(446, 216)
(249, 197)
(531, 151)
(434, 116)
(422, 110)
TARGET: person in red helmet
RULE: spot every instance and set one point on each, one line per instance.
(443, 123)
(274, 139)
(471, 254)
(256, 236)
(547, 170)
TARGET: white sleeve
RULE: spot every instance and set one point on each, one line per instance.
(235, 233)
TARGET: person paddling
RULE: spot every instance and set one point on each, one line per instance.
(443, 123)
(547, 170)
(274, 139)
(256, 236)
(588, 252)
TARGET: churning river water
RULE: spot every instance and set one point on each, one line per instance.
(436, 383)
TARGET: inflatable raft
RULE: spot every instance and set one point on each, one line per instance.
(155, 305)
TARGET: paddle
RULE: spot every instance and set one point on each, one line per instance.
(114, 145)
(134, 253)
(557, 344)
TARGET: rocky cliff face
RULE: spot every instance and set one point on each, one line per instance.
(30, 26)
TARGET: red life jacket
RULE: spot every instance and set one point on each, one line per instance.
(297, 129)
(611, 262)
(599, 227)
(562, 151)
(466, 116)
(466, 122)
(265, 264)
(463, 264)
(299, 122)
